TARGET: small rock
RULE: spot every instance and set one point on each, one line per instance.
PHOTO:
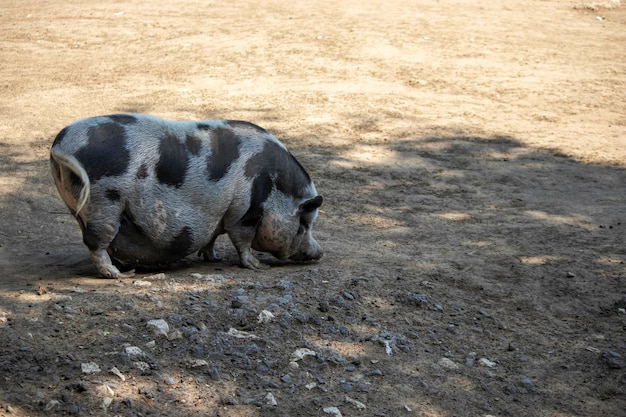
(133, 352)
(117, 373)
(511, 389)
(302, 353)
(175, 335)
(142, 366)
(147, 391)
(196, 363)
(105, 390)
(285, 299)
(51, 405)
(214, 373)
(270, 400)
(284, 284)
(486, 362)
(415, 299)
(388, 348)
(265, 316)
(358, 404)
(70, 310)
(128, 327)
(89, 368)
(363, 386)
(140, 283)
(159, 326)
(614, 360)
(339, 301)
(448, 364)
(106, 402)
(3, 319)
(332, 410)
(241, 334)
(526, 382)
(300, 317)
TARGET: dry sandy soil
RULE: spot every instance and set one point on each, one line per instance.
(472, 159)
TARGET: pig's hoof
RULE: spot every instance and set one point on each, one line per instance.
(261, 266)
(249, 261)
(210, 256)
(127, 274)
(116, 274)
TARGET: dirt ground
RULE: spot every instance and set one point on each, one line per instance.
(472, 156)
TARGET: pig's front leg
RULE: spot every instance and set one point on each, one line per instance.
(102, 260)
(248, 260)
(242, 240)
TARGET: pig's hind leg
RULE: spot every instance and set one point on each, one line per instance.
(100, 229)
(102, 260)
(208, 251)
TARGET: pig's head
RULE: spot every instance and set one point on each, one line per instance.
(285, 230)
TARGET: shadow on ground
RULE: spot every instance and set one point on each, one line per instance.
(457, 267)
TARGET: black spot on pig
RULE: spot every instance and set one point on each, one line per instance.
(193, 145)
(91, 238)
(131, 243)
(123, 119)
(132, 246)
(289, 176)
(142, 172)
(292, 179)
(261, 189)
(59, 137)
(173, 159)
(182, 242)
(240, 123)
(105, 154)
(113, 195)
(224, 151)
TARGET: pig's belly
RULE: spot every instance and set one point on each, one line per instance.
(132, 246)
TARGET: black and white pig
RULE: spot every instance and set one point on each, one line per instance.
(147, 192)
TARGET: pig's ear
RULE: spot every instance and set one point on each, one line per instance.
(311, 204)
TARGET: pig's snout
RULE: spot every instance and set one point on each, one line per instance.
(311, 253)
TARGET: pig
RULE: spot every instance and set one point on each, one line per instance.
(147, 192)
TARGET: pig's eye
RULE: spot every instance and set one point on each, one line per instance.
(303, 227)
